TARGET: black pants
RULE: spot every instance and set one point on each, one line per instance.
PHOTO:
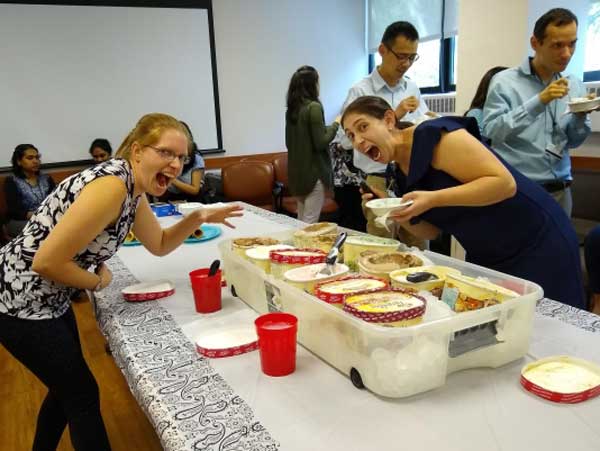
(349, 200)
(51, 350)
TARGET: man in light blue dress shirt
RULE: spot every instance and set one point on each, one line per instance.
(524, 113)
(398, 50)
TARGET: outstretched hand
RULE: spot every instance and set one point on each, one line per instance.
(221, 215)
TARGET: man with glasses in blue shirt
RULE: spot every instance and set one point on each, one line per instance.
(524, 113)
(398, 50)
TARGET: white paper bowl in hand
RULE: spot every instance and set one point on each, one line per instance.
(583, 104)
(382, 207)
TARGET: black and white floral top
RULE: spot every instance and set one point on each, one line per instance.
(26, 295)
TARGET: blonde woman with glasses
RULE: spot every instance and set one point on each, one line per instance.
(63, 247)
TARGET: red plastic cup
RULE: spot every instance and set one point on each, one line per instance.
(277, 343)
(207, 290)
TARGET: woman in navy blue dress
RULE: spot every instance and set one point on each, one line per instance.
(502, 219)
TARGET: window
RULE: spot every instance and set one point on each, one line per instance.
(591, 66)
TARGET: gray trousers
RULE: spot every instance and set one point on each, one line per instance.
(565, 200)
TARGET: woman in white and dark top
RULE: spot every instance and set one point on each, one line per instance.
(188, 185)
(26, 189)
(80, 225)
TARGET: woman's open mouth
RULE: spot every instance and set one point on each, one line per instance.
(163, 180)
(373, 153)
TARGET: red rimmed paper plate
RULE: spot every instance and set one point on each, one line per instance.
(562, 379)
(227, 342)
(148, 291)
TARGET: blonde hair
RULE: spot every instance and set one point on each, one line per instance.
(148, 131)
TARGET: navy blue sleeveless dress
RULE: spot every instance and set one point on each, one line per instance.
(528, 235)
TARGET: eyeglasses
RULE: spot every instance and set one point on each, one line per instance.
(404, 57)
(169, 155)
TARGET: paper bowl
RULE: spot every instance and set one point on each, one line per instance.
(380, 207)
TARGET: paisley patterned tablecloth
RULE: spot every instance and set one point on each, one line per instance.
(189, 404)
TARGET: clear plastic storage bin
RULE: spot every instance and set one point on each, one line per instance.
(396, 362)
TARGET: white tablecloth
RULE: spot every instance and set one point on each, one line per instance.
(197, 403)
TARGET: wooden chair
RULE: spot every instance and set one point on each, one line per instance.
(286, 204)
(251, 182)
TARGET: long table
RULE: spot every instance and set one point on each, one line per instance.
(197, 403)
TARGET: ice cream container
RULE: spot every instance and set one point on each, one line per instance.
(241, 245)
(393, 307)
(429, 278)
(286, 259)
(336, 291)
(463, 293)
(306, 277)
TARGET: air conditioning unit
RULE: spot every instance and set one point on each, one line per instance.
(443, 104)
(593, 87)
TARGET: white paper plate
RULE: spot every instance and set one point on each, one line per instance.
(227, 342)
(148, 291)
(582, 104)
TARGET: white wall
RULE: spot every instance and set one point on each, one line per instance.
(490, 33)
(260, 43)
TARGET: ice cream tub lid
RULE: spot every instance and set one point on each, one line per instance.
(302, 256)
(387, 305)
(148, 291)
(227, 342)
(562, 379)
(334, 292)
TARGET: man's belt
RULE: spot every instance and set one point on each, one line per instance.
(556, 185)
